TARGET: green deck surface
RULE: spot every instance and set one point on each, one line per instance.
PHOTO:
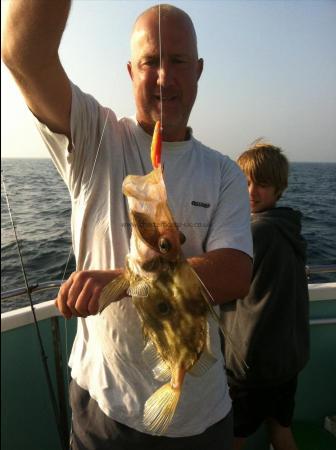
(311, 436)
(316, 394)
(27, 417)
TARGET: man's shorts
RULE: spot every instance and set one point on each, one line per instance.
(251, 406)
(93, 430)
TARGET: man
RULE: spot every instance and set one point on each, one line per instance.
(94, 151)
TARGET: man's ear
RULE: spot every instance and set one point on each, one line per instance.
(129, 69)
(200, 65)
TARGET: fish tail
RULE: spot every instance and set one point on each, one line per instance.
(160, 408)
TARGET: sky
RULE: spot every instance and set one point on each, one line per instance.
(270, 71)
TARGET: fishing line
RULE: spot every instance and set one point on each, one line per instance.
(160, 53)
(66, 265)
(42, 351)
(101, 138)
(65, 325)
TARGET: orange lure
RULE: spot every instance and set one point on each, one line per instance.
(156, 146)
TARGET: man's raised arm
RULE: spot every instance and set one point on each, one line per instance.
(31, 38)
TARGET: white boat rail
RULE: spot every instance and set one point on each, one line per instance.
(327, 268)
(23, 316)
(39, 287)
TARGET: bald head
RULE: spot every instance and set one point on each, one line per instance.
(164, 69)
(169, 15)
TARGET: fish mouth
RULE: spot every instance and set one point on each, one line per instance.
(152, 265)
(155, 264)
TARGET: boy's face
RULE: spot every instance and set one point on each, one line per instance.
(262, 197)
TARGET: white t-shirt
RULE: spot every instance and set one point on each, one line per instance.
(207, 194)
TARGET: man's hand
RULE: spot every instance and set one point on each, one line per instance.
(79, 295)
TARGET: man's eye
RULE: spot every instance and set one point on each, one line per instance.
(150, 63)
(179, 61)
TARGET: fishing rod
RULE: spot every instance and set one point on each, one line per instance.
(44, 357)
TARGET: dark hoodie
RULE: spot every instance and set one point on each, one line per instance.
(270, 327)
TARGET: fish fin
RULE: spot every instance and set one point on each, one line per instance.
(242, 366)
(162, 371)
(241, 363)
(159, 367)
(138, 289)
(160, 408)
(206, 361)
(112, 291)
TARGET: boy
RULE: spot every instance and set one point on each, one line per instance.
(270, 325)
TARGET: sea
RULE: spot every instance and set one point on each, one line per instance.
(40, 206)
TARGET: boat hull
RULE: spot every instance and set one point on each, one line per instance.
(28, 421)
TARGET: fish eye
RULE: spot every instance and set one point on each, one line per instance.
(163, 308)
(164, 245)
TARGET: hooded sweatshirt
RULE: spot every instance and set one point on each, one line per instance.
(270, 326)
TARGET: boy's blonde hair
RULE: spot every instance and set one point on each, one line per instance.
(265, 164)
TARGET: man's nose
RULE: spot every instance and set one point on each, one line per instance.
(164, 75)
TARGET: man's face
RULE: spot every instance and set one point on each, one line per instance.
(262, 197)
(177, 79)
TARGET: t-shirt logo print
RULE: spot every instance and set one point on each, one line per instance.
(201, 204)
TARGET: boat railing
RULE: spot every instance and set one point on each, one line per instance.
(320, 269)
(23, 316)
(36, 287)
(39, 287)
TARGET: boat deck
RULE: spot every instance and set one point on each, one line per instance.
(27, 417)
